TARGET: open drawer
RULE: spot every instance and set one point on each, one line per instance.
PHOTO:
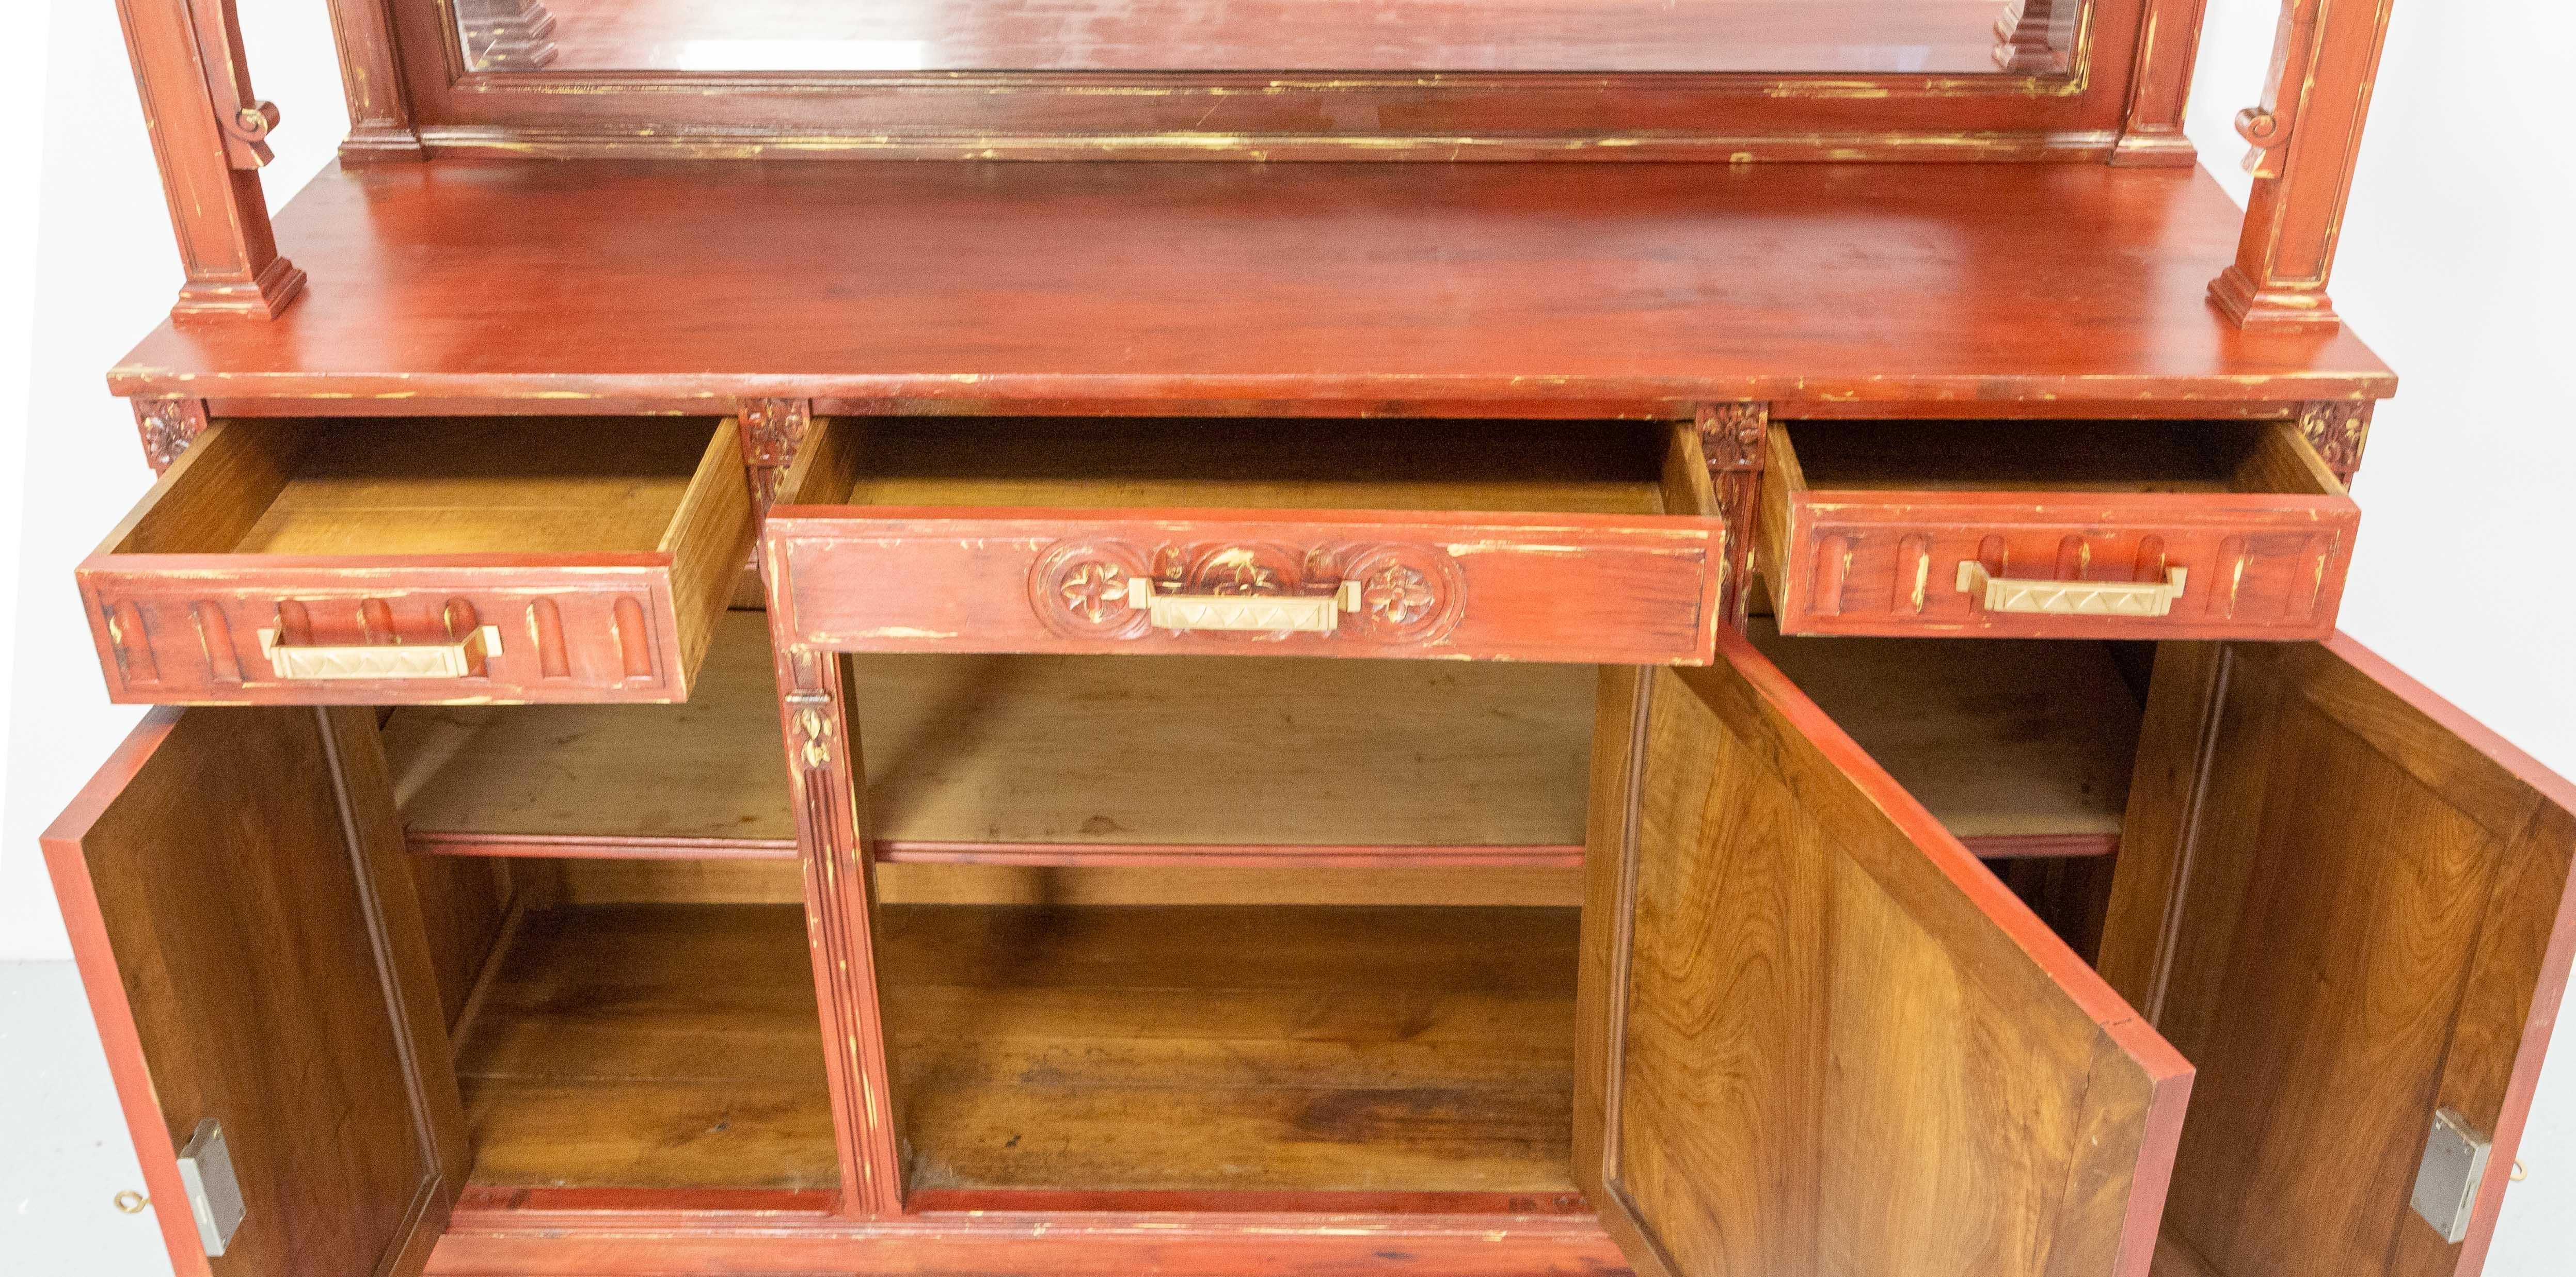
(2099, 529)
(1551, 541)
(437, 560)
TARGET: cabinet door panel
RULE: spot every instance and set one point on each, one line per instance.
(2357, 915)
(1827, 1039)
(233, 885)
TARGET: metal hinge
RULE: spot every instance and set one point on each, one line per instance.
(2446, 1184)
(214, 1192)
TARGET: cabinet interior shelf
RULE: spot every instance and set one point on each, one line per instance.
(1213, 1049)
(2021, 749)
(1026, 760)
(598, 1052)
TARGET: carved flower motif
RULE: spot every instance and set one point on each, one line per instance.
(1094, 590)
(1239, 572)
(1398, 595)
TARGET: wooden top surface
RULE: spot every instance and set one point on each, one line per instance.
(1594, 287)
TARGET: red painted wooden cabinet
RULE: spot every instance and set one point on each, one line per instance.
(1000, 951)
(764, 718)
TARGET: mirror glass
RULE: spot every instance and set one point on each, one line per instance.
(1938, 37)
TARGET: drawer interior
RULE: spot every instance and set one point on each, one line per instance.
(433, 486)
(1534, 466)
(2056, 456)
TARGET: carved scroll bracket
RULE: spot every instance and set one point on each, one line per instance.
(243, 118)
(168, 425)
(2306, 135)
(2266, 127)
(1733, 436)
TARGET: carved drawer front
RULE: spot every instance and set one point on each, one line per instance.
(2053, 529)
(420, 561)
(1240, 543)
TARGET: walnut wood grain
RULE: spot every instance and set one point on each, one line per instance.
(1790, 929)
(1348, 1049)
(600, 558)
(1379, 286)
(234, 885)
(2002, 741)
(2358, 913)
(650, 1046)
(1867, 527)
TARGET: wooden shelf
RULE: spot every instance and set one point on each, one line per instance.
(2020, 747)
(587, 285)
(1220, 1049)
(1038, 760)
(672, 1046)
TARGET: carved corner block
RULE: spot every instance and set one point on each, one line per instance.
(1732, 436)
(168, 425)
(2338, 430)
(772, 431)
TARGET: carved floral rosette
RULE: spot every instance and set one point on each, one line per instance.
(1408, 594)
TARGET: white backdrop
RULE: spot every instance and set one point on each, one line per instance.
(2456, 265)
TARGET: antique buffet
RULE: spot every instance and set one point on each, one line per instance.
(1470, 638)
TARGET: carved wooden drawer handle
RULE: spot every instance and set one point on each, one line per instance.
(462, 658)
(2072, 598)
(1273, 613)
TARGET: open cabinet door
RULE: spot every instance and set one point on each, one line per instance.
(236, 897)
(2354, 919)
(1823, 1039)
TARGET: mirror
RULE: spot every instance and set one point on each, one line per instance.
(1934, 37)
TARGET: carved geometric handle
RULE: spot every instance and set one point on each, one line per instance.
(463, 658)
(1272, 613)
(2072, 598)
